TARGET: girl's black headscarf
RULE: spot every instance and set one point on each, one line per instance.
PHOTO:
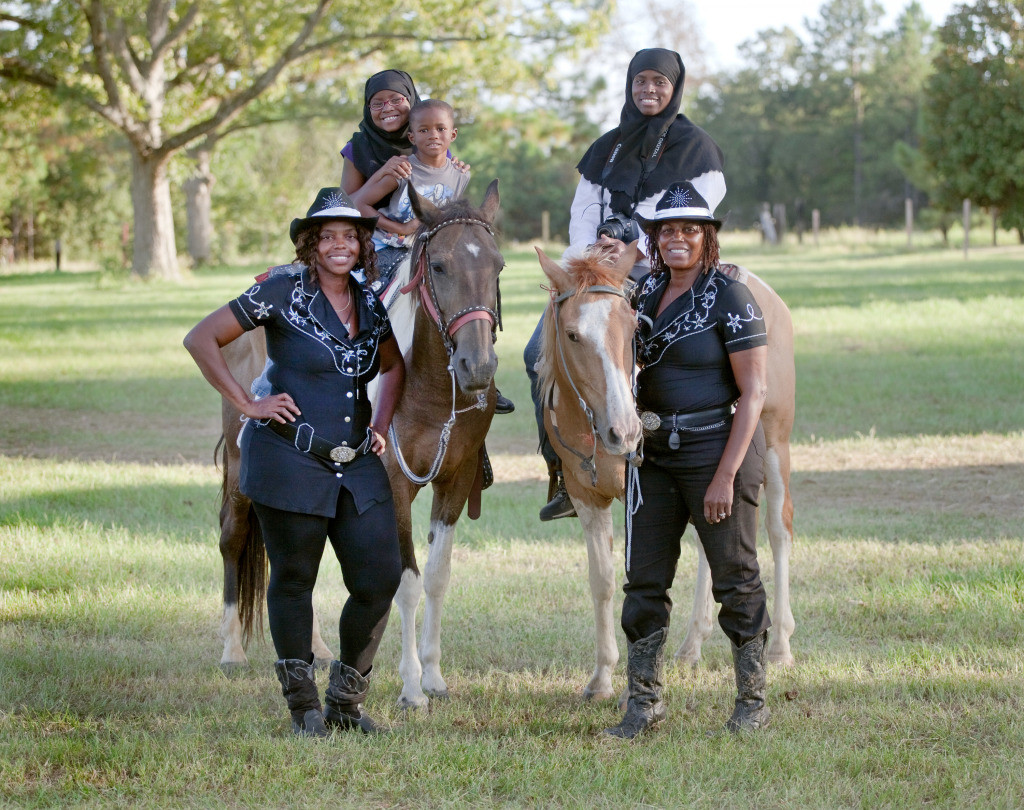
(687, 150)
(371, 145)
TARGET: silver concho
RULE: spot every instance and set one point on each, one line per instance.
(650, 420)
(342, 455)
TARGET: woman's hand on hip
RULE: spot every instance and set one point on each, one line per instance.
(279, 407)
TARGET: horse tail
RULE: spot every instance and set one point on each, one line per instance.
(252, 581)
(252, 559)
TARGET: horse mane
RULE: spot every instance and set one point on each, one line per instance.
(454, 209)
(594, 266)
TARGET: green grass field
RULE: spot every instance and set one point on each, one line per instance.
(907, 574)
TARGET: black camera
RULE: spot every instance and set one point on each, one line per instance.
(619, 226)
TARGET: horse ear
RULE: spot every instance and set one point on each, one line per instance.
(424, 209)
(627, 260)
(490, 206)
(562, 280)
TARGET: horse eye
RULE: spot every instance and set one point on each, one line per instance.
(573, 337)
(437, 267)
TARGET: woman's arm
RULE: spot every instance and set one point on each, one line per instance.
(383, 181)
(585, 214)
(389, 392)
(204, 343)
(750, 369)
(351, 178)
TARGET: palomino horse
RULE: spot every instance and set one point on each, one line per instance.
(438, 430)
(586, 378)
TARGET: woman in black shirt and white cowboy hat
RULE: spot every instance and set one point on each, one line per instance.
(310, 451)
(703, 349)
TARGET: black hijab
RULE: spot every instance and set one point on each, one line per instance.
(686, 152)
(371, 145)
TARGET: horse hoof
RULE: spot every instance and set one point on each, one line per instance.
(686, 660)
(406, 704)
(781, 659)
(234, 669)
(321, 663)
(437, 694)
(595, 695)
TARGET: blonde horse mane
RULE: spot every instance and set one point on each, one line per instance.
(592, 267)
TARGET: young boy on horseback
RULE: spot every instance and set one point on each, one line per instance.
(431, 172)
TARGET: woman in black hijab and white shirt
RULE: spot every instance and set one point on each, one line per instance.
(626, 170)
(624, 173)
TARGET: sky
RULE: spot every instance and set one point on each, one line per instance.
(727, 23)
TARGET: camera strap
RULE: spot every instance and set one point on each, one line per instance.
(648, 165)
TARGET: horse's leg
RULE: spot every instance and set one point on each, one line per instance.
(322, 655)
(449, 500)
(701, 623)
(234, 532)
(779, 522)
(233, 655)
(597, 529)
(408, 596)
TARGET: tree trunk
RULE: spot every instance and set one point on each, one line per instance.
(197, 206)
(155, 255)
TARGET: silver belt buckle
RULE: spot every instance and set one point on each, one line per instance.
(650, 420)
(342, 455)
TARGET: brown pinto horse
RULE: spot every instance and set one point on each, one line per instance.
(438, 430)
(586, 378)
(445, 326)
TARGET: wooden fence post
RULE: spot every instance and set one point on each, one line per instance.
(908, 213)
(545, 226)
(815, 224)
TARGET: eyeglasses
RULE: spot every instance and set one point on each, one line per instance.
(684, 229)
(394, 101)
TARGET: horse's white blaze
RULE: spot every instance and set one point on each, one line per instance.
(231, 632)
(473, 248)
(781, 540)
(597, 529)
(408, 599)
(436, 576)
(619, 408)
(701, 623)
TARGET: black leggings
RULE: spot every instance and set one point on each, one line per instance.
(673, 484)
(366, 546)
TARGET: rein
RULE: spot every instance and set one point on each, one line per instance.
(447, 329)
(587, 464)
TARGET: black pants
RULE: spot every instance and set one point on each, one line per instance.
(672, 485)
(366, 547)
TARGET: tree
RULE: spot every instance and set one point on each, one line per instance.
(974, 110)
(168, 73)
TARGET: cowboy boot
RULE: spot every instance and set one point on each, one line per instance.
(299, 689)
(502, 405)
(559, 503)
(345, 693)
(750, 713)
(644, 708)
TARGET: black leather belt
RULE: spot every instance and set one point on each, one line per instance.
(676, 420)
(305, 440)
